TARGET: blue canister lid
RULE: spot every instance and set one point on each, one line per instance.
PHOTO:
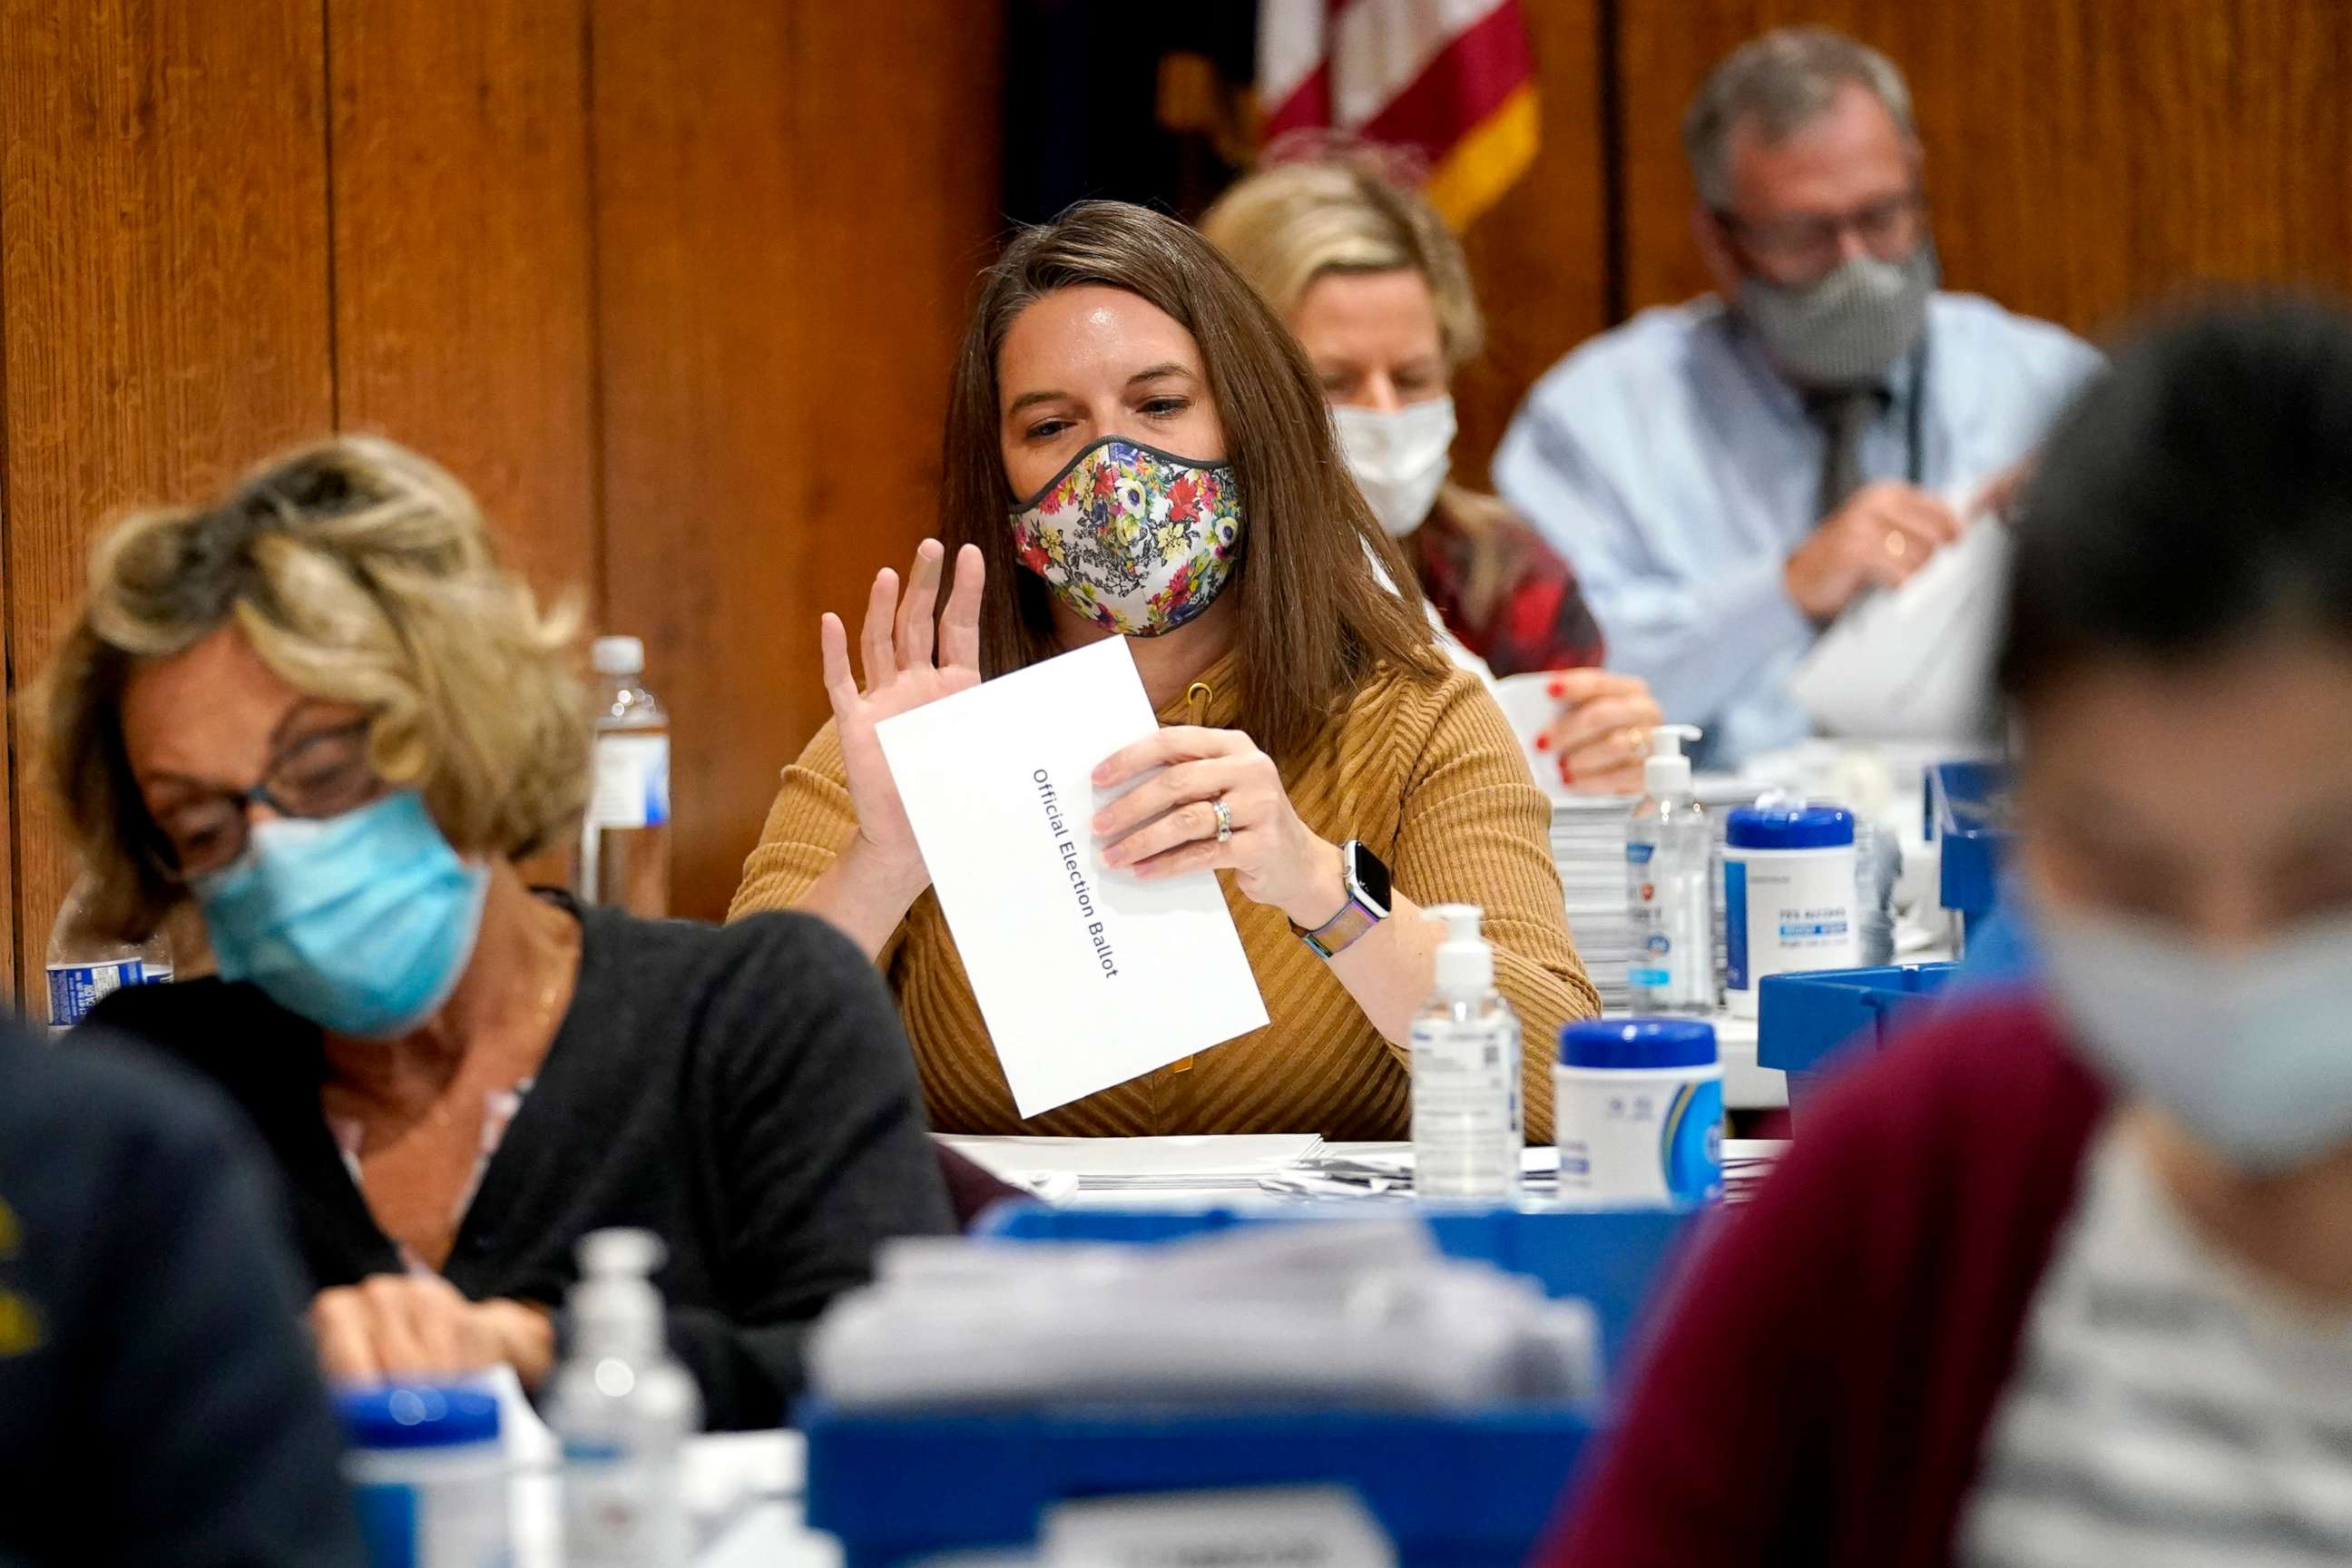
(417, 1415)
(1623, 1043)
(1789, 827)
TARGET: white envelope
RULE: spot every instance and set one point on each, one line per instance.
(1915, 663)
(1087, 976)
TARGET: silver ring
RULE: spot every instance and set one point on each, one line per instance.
(1225, 819)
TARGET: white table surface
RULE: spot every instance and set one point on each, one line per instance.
(1746, 1085)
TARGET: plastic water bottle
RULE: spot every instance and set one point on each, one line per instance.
(1670, 885)
(1469, 1125)
(624, 838)
(622, 1409)
(1877, 867)
(84, 966)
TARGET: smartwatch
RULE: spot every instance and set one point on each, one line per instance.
(1366, 880)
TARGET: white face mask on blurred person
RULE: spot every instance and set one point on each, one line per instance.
(2250, 1049)
(1400, 459)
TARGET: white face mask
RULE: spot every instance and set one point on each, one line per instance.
(1399, 459)
(2250, 1049)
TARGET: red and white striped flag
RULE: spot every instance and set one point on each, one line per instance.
(1451, 79)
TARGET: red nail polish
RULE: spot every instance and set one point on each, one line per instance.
(1557, 689)
(1543, 742)
(1565, 775)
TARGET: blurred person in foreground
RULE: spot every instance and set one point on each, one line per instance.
(1377, 291)
(157, 1401)
(2068, 1278)
(320, 708)
(1729, 474)
(1137, 448)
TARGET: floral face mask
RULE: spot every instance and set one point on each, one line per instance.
(1132, 538)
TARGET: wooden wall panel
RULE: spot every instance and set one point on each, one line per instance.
(896, 134)
(163, 265)
(15, 738)
(461, 235)
(704, 475)
(1540, 255)
(2085, 158)
(786, 198)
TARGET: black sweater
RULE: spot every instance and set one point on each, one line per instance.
(743, 1090)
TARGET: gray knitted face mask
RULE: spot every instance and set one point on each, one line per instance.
(1844, 328)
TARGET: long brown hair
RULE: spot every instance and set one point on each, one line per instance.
(1313, 616)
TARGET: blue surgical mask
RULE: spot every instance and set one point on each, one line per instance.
(361, 923)
(2245, 1048)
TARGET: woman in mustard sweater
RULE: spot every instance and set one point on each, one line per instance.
(1135, 446)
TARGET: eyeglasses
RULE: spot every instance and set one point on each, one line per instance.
(324, 774)
(1888, 229)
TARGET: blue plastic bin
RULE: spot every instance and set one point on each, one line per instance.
(1466, 1489)
(1972, 864)
(1806, 1023)
(1968, 816)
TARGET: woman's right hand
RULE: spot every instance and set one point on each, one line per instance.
(898, 648)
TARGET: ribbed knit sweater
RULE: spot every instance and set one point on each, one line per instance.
(1423, 768)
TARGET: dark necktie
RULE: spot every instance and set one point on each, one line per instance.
(1842, 416)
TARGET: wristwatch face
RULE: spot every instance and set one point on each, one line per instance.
(1368, 880)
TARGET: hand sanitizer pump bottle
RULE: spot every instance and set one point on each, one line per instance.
(1670, 885)
(1469, 1123)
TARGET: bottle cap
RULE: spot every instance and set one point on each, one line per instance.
(417, 1415)
(1465, 964)
(1624, 1043)
(1668, 771)
(617, 655)
(604, 1254)
(1789, 827)
(616, 1310)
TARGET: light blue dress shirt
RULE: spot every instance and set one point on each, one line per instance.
(1677, 471)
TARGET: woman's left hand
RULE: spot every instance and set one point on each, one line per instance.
(1602, 734)
(1169, 824)
(397, 1327)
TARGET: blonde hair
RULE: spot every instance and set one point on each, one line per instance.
(362, 573)
(1343, 212)
(1286, 226)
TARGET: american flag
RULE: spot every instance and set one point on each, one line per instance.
(1451, 79)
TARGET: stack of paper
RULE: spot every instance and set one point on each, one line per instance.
(1231, 1163)
(1385, 1170)
(1587, 841)
(1366, 1314)
(1746, 1162)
